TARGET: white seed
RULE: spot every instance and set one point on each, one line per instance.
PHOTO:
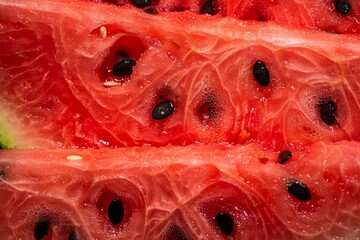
(74, 158)
(103, 32)
(111, 83)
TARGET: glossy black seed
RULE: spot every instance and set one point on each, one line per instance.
(141, 3)
(261, 73)
(208, 8)
(41, 229)
(151, 11)
(225, 223)
(163, 110)
(327, 112)
(298, 190)
(123, 68)
(342, 6)
(175, 233)
(284, 156)
(116, 211)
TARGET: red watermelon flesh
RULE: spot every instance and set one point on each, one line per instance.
(177, 193)
(57, 88)
(337, 16)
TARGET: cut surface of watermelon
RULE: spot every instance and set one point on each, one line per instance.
(60, 86)
(195, 192)
(336, 16)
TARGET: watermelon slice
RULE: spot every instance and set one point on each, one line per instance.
(70, 79)
(188, 192)
(336, 16)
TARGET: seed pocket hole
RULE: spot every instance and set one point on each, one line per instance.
(208, 8)
(174, 232)
(225, 223)
(42, 228)
(208, 110)
(119, 65)
(327, 112)
(342, 6)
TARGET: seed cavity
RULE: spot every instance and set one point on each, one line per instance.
(208, 8)
(123, 67)
(327, 112)
(141, 3)
(41, 228)
(175, 233)
(116, 211)
(342, 6)
(284, 156)
(298, 190)
(163, 110)
(261, 73)
(151, 10)
(225, 223)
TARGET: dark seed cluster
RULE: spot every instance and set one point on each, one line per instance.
(124, 67)
(261, 73)
(41, 229)
(72, 235)
(299, 190)
(141, 3)
(116, 211)
(163, 110)
(208, 8)
(151, 10)
(327, 112)
(284, 156)
(342, 6)
(225, 223)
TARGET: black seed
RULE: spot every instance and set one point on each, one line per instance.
(163, 110)
(298, 190)
(261, 73)
(175, 233)
(151, 11)
(327, 111)
(208, 8)
(123, 67)
(116, 211)
(141, 3)
(225, 223)
(41, 228)
(284, 156)
(343, 6)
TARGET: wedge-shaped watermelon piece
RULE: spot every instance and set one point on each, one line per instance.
(93, 75)
(181, 192)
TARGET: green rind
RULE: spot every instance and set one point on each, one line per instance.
(7, 138)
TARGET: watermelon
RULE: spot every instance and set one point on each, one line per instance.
(181, 192)
(179, 119)
(151, 80)
(336, 16)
